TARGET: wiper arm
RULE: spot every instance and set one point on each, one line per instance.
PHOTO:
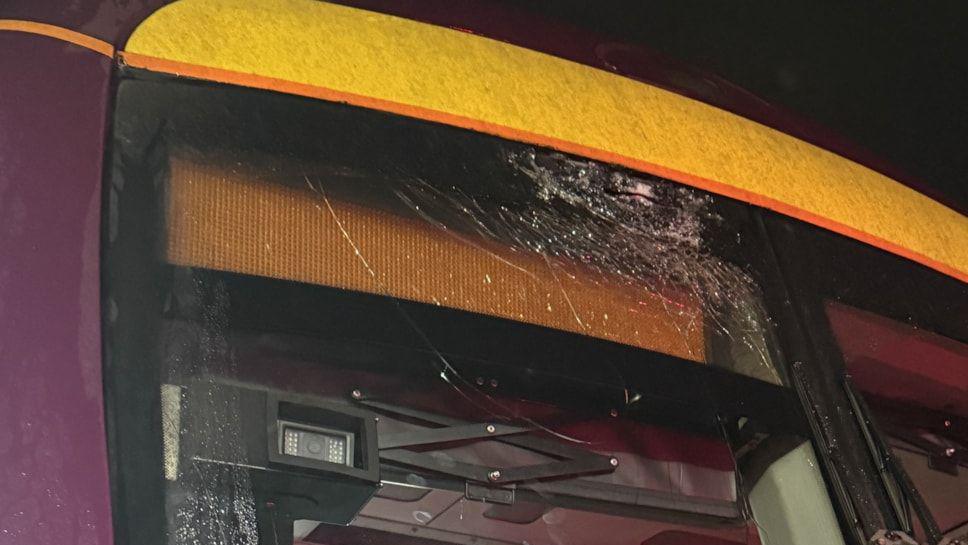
(890, 467)
(447, 434)
(572, 461)
(560, 478)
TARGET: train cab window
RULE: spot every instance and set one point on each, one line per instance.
(916, 385)
(331, 325)
(893, 336)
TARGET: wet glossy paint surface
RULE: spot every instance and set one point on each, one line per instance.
(108, 20)
(53, 460)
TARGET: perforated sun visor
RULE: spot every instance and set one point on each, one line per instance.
(232, 220)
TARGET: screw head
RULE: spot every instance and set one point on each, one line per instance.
(494, 475)
(947, 423)
(493, 383)
(949, 452)
(490, 428)
(479, 381)
(613, 461)
(613, 413)
(356, 394)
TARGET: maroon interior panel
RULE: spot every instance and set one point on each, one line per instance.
(900, 362)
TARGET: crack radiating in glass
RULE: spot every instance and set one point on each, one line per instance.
(629, 227)
(447, 367)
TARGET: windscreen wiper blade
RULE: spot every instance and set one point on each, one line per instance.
(891, 468)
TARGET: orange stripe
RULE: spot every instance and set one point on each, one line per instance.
(59, 33)
(712, 186)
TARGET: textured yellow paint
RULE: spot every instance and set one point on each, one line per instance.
(438, 69)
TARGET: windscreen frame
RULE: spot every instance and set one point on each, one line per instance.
(133, 290)
(822, 267)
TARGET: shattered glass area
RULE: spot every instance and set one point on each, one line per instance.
(586, 234)
(393, 283)
(566, 243)
(643, 232)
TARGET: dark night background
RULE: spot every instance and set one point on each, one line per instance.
(890, 76)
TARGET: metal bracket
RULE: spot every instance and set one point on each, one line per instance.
(568, 461)
(445, 435)
(488, 494)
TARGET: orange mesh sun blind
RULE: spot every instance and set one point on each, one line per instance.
(237, 221)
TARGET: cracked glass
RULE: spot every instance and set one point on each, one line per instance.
(500, 343)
